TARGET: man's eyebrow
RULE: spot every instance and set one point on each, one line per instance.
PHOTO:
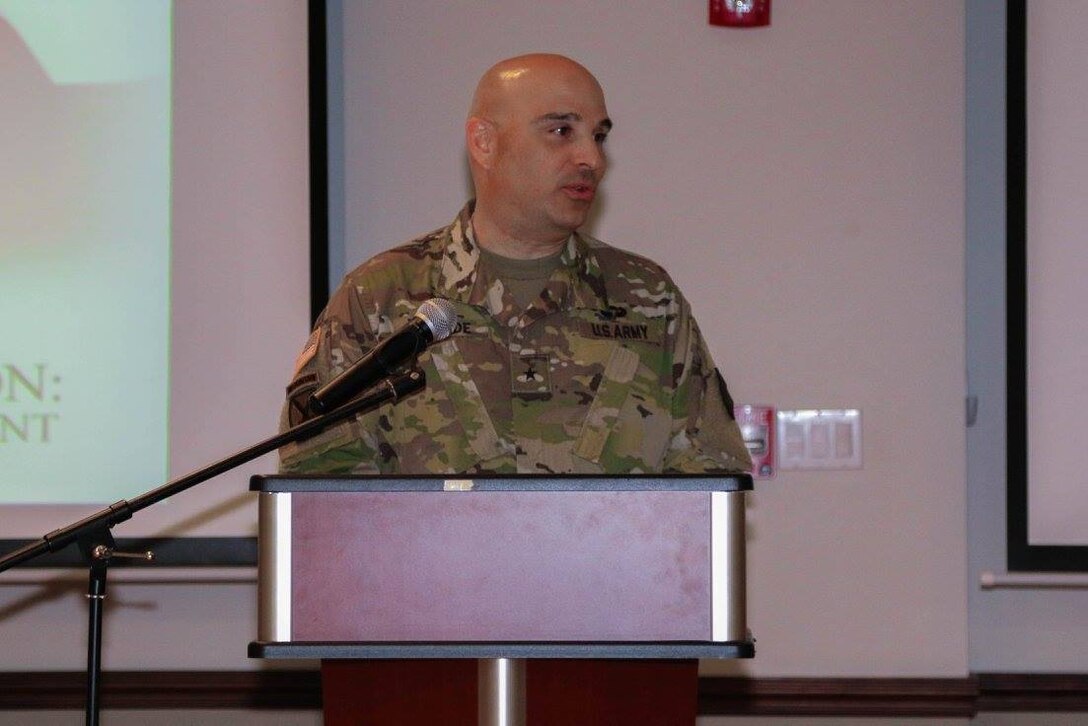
(605, 123)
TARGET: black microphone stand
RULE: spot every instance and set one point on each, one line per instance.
(95, 540)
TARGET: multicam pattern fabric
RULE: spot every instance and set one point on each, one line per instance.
(606, 372)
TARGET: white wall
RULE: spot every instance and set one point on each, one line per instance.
(804, 185)
(815, 168)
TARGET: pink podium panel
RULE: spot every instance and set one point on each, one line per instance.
(500, 566)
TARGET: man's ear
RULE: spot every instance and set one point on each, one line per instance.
(481, 139)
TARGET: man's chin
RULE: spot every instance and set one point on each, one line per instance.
(572, 220)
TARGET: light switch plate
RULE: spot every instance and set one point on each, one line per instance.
(819, 439)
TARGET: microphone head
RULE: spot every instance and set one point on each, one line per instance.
(440, 317)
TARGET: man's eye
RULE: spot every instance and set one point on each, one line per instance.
(600, 137)
(561, 130)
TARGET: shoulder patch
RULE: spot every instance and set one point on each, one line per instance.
(307, 353)
(298, 398)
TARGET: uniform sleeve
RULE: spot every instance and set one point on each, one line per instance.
(705, 436)
(340, 337)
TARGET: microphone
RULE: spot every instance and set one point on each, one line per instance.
(434, 321)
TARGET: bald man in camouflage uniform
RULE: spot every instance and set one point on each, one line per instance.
(570, 356)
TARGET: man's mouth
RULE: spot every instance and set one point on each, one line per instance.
(583, 192)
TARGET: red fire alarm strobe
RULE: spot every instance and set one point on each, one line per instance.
(757, 427)
(740, 13)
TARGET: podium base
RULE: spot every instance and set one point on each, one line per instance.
(558, 691)
(500, 692)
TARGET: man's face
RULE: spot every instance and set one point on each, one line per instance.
(550, 155)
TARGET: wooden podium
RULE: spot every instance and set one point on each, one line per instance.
(502, 569)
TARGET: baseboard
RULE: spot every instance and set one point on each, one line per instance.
(294, 689)
(949, 697)
(1033, 692)
(301, 690)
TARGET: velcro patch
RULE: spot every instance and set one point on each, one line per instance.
(307, 353)
(298, 398)
(530, 376)
(620, 331)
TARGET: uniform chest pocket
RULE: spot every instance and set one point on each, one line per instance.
(467, 435)
(627, 425)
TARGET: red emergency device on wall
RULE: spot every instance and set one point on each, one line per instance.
(757, 427)
(740, 13)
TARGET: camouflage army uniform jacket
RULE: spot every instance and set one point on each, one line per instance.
(605, 373)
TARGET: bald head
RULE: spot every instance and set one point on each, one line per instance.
(535, 135)
(510, 81)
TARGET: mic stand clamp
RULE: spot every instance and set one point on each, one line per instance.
(98, 547)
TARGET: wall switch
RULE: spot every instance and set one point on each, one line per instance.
(819, 439)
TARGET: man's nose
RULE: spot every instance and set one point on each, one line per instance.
(591, 156)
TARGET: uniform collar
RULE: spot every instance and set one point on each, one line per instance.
(578, 282)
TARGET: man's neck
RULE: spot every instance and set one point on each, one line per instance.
(494, 238)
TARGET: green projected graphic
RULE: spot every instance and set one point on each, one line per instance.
(84, 248)
(94, 41)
